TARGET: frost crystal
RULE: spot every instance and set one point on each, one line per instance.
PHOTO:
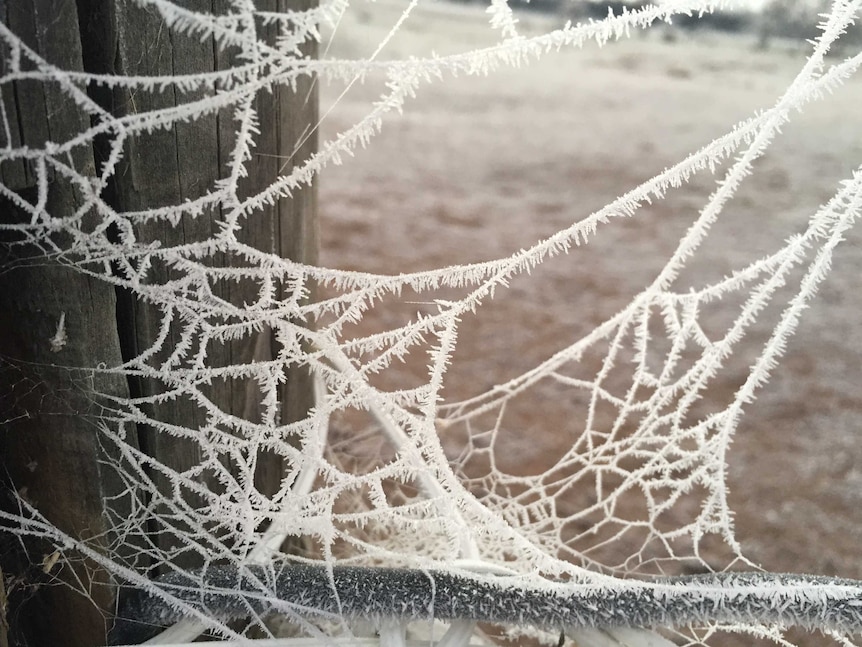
(399, 495)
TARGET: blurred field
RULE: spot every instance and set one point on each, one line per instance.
(478, 168)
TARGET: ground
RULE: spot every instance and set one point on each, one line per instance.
(477, 168)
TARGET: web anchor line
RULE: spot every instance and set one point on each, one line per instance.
(377, 594)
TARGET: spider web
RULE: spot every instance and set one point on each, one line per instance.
(376, 474)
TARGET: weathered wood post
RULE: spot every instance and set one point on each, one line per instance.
(50, 447)
(167, 167)
(49, 450)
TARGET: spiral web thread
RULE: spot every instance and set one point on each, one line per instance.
(645, 464)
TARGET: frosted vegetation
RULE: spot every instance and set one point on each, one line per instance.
(639, 487)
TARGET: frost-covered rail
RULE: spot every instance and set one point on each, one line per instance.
(413, 594)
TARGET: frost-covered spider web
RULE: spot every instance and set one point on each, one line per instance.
(384, 470)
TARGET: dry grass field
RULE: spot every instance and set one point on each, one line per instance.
(477, 168)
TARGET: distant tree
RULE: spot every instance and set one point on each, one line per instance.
(798, 19)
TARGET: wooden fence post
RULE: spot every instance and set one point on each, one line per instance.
(50, 454)
(49, 449)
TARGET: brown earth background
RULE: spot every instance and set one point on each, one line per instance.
(476, 169)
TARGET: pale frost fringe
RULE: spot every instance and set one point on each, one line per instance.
(405, 595)
(405, 79)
